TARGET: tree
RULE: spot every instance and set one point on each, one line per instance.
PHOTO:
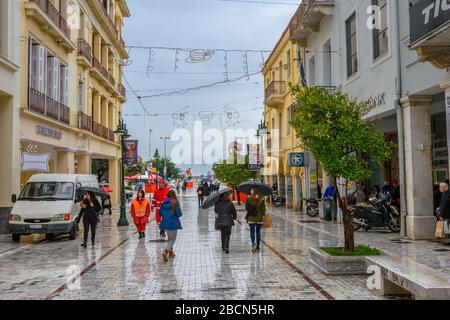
(234, 173)
(173, 172)
(100, 167)
(330, 126)
(136, 169)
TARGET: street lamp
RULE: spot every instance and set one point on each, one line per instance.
(123, 132)
(165, 156)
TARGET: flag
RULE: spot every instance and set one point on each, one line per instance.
(302, 70)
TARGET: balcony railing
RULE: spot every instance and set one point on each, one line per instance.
(84, 121)
(102, 131)
(40, 103)
(303, 10)
(103, 71)
(276, 88)
(54, 15)
(122, 90)
(108, 19)
(84, 50)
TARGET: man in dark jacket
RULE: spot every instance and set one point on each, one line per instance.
(201, 195)
(226, 214)
(436, 197)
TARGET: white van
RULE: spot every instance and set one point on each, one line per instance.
(48, 205)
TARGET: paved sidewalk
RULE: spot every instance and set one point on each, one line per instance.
(124, 267)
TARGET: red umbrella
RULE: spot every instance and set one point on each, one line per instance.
(107, 189)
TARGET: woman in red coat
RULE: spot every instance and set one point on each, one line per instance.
(158, 198)
(140, 212)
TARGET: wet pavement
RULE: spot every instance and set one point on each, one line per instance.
(123, 267)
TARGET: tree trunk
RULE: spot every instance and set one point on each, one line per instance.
(348, 221)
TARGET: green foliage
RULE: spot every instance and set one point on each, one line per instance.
(359, 251)
(234, 172)
(172, 171)
(100, 167)
(138, 168)
(331, 127)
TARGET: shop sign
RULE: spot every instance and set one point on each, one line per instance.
(427, 16)
(44, 131)
(35, 161)
(375, 101)
(297, 160)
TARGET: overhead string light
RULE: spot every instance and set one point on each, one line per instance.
(150, 62)
(226, 74)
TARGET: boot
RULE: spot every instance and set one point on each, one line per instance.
(143, 234)
(172, 255)
(93, 243)
(140, 235)
(84, 245)
(165, 255)
(254, 248)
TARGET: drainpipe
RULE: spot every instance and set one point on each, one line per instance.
(399, 110)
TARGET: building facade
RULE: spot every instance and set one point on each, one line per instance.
(9, 105)
(279, 71)
(70, 92)
(393, 56)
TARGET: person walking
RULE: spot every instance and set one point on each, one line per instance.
(436, 196)
(225, 216)
(171, 214)
(201, 195)
(444, 207)
(158, 198)
(90, 211)
(140, 212)
(256, 210)
(107, 204)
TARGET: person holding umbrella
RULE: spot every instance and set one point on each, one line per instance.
(256, 210)
(201, 194)
(140, 212)
(90, 211)
(225, 216)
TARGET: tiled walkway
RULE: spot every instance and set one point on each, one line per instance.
(123, 267)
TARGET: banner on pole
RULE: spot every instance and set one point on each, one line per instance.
(130, 152)
(254, 158)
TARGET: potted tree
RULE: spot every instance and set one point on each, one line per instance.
(331, 127)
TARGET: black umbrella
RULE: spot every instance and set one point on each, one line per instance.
(96, 191)
(212, 200)
(246, 187)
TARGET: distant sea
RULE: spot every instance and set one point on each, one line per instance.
(197, 169)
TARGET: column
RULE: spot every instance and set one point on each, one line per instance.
(105, 56)
(97, 46)
(84, 164)
(97, 108)
(420, 221)
(114, 181)
(446, 87)
(297, 184)
(104, 110)
(65, 162)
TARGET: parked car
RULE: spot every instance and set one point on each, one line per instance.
(48, 204)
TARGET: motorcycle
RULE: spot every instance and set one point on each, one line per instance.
(278, 201)
(382, 214)
(312, 207)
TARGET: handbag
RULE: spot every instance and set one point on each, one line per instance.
(440, 229)
(267, 221)
(446, 227)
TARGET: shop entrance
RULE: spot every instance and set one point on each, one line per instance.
(439, 147)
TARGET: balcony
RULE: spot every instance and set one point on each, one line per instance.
(84, 121)
(123, 92)
(101, 131)
(108, 25)
(46, 106)
(51, 21)
(275, 93)
(84, 53)
(307, 19)
(100, 72)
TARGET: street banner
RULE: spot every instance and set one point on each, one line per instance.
(254, 159)
(130, 152)
(35, 161)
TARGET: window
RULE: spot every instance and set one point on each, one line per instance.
(64, 85)
(37, 67)
(81, 96)
(36, 191)
(351, 41)
(280, 70)
(288, 69)
(381, 35)
(288, 124)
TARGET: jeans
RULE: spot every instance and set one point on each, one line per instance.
(86, 226)
(225, 233)
(255, 232)
(200, 201)
(171, 238)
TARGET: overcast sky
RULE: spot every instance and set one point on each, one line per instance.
(208, 24)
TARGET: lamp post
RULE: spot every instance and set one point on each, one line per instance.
(123, 132)
(262, 132)
(156, 156)
(165, 156)
(150, 143)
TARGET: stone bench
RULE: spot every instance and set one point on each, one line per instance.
(400, 276)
